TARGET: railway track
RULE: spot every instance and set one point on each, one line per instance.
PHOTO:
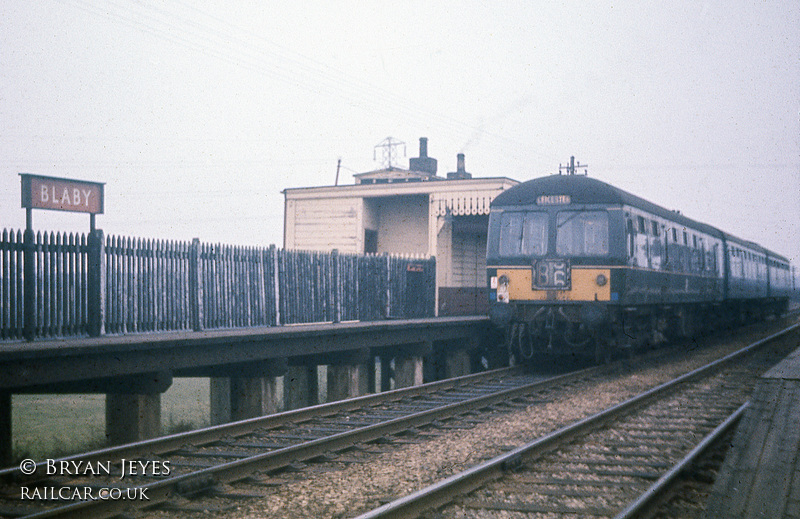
(615, 463)
(203, 461)
(260, 452)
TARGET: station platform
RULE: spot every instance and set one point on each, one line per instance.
(761, 473)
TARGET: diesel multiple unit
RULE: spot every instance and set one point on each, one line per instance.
(579, 267)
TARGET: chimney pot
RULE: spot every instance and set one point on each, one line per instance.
(460, 168)
(423, 147)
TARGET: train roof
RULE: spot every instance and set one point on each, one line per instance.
(585, 190)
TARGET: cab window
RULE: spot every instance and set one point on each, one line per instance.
(582, 233)
(523, 233)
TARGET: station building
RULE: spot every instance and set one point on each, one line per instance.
(399, 211)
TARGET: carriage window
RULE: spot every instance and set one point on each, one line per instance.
(523, 234)
(702, 255)
(582, 233)
(631, 241)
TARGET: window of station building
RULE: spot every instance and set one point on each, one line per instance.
(685, 238)
(694, 240)
(674, 235)
(654, 225)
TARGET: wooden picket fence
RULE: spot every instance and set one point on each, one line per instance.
(95, 285)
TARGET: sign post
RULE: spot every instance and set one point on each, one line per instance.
(61, 194)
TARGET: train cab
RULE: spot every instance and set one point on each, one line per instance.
(553, 248)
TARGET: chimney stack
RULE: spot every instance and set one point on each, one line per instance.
(460, 173)
(423, 163)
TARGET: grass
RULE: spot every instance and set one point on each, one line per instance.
(48, 426)
(45, 426)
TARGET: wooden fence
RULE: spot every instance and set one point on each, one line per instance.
(91, 285)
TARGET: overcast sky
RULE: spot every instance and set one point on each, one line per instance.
(197, 114)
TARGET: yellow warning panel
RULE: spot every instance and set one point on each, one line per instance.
(586, 285)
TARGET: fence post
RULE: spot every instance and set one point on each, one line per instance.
(29, 287)
(387, 265)
(430, 302)
(196, 286)
(276, 283)
(96, 291)
(337, 304)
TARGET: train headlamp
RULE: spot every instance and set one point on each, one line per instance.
(601, 280)
(502, 289)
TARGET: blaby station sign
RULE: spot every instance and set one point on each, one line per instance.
(61, 194)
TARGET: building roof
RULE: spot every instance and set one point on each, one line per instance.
(456, 197)
(392, 175)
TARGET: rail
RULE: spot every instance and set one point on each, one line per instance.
(470, 397)
(443, 492)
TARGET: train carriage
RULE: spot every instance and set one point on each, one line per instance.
(576, 266)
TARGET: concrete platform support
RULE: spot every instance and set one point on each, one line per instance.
(408, 371)
(251, 397)
(372, 373)
(131, 417)
(246, 390)
(300, 387)
(5, 429)
(347, 381)
(219, 400)
(456, 364)
(239, 398)
(386, 374)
